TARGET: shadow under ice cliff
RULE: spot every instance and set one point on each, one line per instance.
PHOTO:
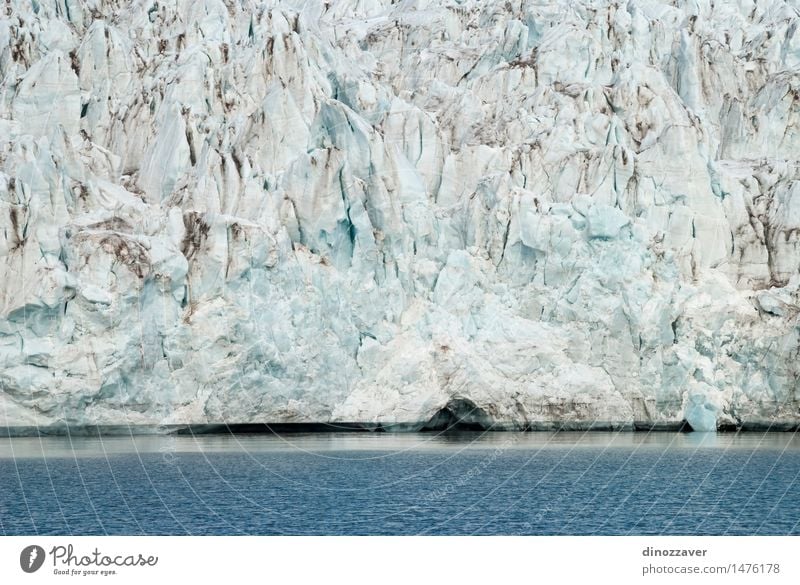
(404, 214)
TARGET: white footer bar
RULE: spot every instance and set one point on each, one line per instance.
(569, 559)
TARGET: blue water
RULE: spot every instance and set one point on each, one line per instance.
(491, 483)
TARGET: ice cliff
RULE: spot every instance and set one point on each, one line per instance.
(522, 213)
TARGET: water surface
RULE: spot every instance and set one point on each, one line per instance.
(369, 483)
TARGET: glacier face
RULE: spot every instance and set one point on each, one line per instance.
(530, 213)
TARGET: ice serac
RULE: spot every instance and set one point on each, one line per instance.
(516, 214)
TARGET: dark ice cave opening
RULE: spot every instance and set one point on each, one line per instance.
(460, 414)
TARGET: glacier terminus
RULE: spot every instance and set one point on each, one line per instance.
(523, 214)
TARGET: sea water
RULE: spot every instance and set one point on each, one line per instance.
(380, 483)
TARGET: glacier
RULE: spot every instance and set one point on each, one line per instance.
(522, 214)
